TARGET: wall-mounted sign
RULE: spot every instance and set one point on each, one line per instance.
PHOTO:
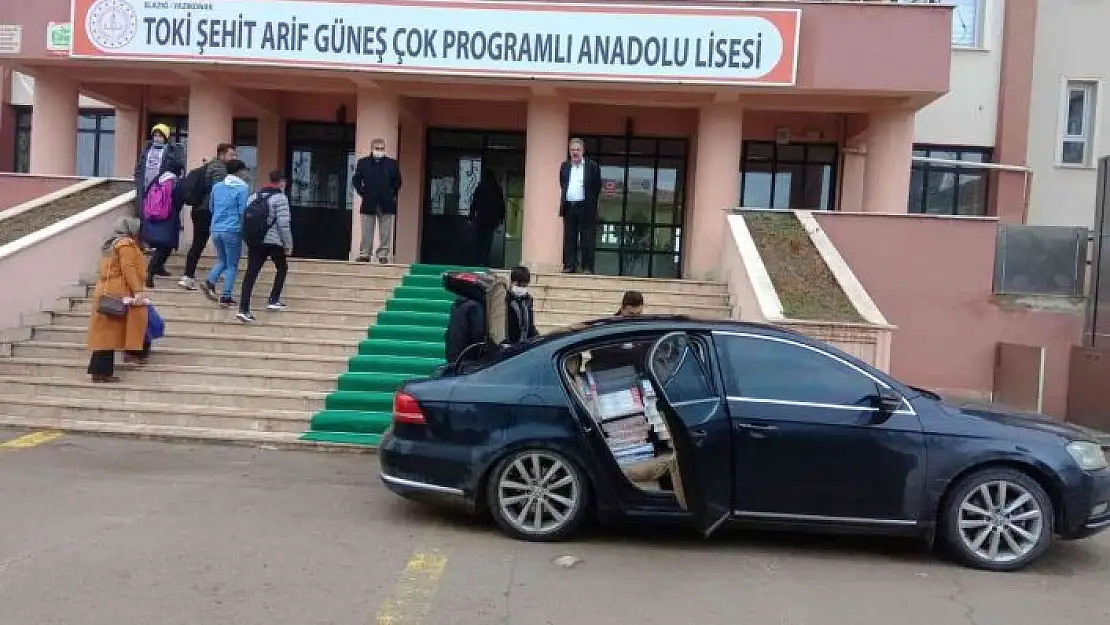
(59, 35)
(11, 38)
(628, 42)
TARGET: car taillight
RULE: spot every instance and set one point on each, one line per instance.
(406, 409)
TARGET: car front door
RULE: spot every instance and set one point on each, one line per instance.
(679, 367)
(811, 445)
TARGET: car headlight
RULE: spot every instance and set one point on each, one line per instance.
(1089, 456)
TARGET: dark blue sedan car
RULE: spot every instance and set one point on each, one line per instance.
(707, 422)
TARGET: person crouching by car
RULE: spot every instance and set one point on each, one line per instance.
(466, 325)
(118, 320)
(521, 324)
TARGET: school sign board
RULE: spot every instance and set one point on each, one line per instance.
(599, 42)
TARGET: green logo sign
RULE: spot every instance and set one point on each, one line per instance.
(59, 35)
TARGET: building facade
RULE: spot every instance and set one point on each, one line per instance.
(687, 114)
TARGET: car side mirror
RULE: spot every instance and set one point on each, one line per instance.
(889, 401)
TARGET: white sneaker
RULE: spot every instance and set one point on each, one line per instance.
(276, 306)
(188, 283)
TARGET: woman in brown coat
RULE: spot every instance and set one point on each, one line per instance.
(122, 275)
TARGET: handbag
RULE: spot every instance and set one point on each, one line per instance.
(111, 306)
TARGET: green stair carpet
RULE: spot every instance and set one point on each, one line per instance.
(405, 342)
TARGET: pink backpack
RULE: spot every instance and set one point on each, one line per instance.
(158, 203)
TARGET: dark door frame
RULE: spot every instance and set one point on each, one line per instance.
(344, 229)
(425, 194)
(656, 156)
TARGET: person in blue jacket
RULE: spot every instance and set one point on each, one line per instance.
(229, 201)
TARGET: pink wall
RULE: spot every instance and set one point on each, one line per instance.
(16, 189)
(932, 277)
(54, 262)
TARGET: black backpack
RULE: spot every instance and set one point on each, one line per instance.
(194, 186)
(256, 219)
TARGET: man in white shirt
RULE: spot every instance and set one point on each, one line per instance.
(580, 184)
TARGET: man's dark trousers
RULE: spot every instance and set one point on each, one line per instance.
(256, 258)
(579, 234)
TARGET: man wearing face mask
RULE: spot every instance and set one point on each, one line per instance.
(157, 157)
(521, 323)
(377, 181)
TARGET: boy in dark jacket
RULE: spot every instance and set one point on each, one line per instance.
(521, 313)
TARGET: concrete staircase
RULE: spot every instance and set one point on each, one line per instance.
(212, 377)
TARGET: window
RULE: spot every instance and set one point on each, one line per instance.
(96, 148)
(967, 20)
(940, 189)
(778, 370)
(22, 140)
(1077, 123)
(796, 175)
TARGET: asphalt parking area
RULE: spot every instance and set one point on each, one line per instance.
(103, 531)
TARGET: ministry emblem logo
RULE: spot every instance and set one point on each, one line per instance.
(111, 24)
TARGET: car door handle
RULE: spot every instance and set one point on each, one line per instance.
(756, 428)
(698, 438)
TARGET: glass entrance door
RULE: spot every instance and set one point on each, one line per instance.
(454, 163)
(321, 160)
(641, 209)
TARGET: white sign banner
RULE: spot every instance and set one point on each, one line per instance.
(701, 44)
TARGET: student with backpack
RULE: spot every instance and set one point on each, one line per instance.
(521, 321)
(161, 220)
(229, 201)
(197, 190)
(268, 235)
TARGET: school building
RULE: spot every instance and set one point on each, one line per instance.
(690, 109)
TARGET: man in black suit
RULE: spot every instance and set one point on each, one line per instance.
(580, 182)
(377, 181)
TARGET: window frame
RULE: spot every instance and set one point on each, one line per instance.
(99, 134)
(21, 163)
(1090, 88)
(986, 156)
(907, 407)
(776, 162)
(978, 28)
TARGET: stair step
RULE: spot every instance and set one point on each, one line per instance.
(129, 392)
(409, 318)
(173, 414)
(204, 310)
(423, 292)
(295, 275)
(351, 421)
(218, 341)
(389, 347)
(304, 265)
(273, 325)
(418, 305)
(424, 334)
(372, 401)
(169, 375)
(394, 364)
(197, 356)
(259, 299)
(374, 382)
(293, 290)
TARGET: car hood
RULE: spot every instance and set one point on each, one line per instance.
(1023, 420)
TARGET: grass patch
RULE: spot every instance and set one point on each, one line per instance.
(807, 289)
(36, 219)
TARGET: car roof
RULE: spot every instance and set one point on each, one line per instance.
(599, 328)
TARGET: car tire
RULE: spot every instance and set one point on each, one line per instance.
(998, 519)
(560, 493)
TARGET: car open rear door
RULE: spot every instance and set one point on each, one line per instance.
(697, 418)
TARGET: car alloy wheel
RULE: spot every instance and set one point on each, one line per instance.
(1000, 520)
(537, 494)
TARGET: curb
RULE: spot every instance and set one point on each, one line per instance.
(189, 435)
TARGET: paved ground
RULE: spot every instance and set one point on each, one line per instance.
(99, 531)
